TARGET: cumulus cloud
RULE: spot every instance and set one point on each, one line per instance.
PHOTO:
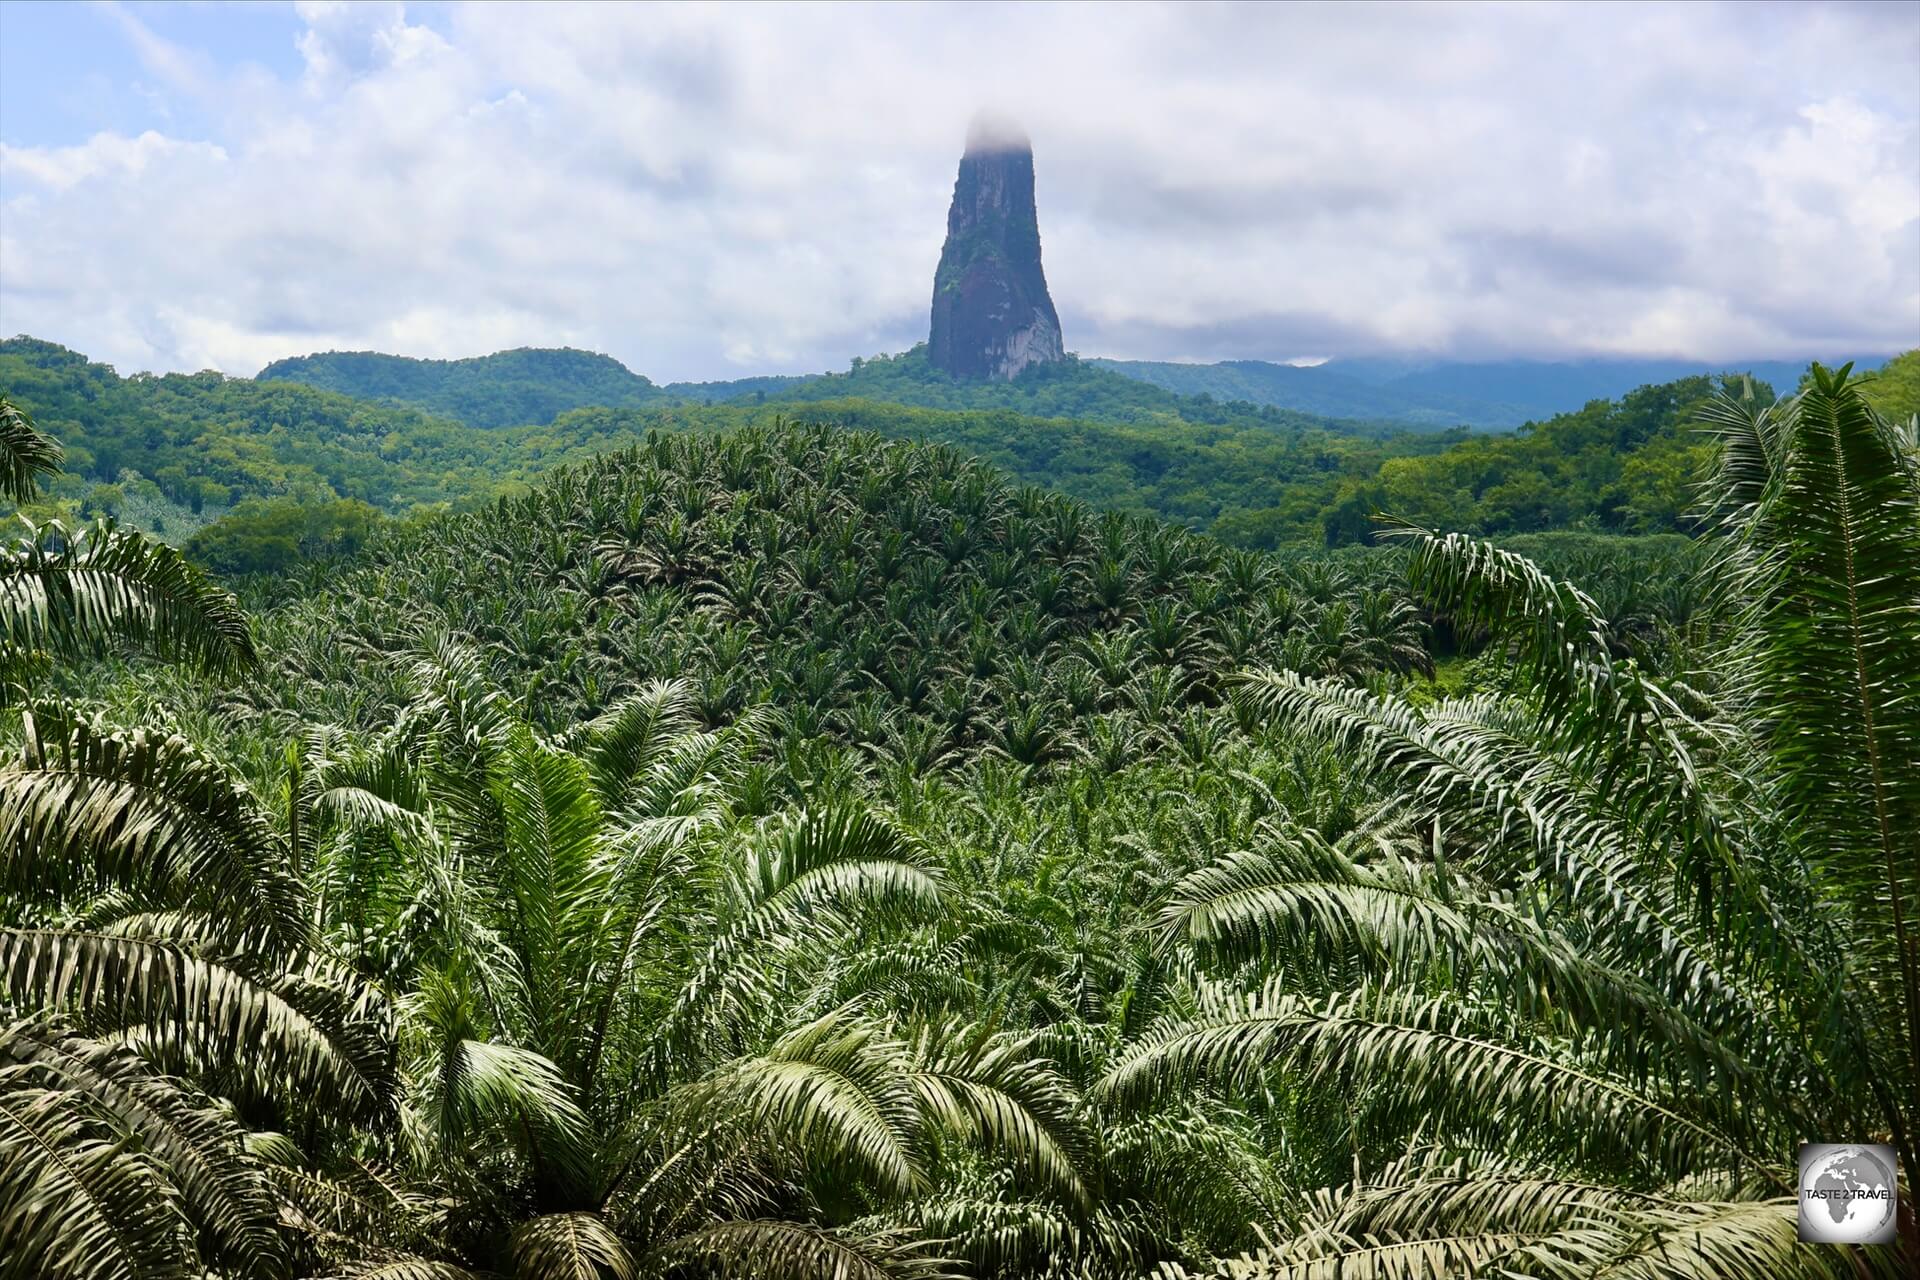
(710, 191)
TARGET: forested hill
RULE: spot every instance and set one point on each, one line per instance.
(288, 470)
(1315, 390)
(507, 388)
(533, 386)
(903, 599)
(170, 453)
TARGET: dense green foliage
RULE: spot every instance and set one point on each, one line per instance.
(507, 388)
(1894, 388)
(199, 443)
(792, 853)
(1624, 467)
(1275, 484)
(271, 535)
(193, 445)
(204, 441)
(490, 390)
(170, 455)
(903, 599)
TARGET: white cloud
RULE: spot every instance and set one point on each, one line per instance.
(707, 191)
(105, 155)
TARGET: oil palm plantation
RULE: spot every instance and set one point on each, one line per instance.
(1613, 943)
(795, 854)
(154, 939)
(618, 1053)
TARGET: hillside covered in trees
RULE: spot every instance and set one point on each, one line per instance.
(292, 471)
(534, 386)
(790, 852)
(507, 388)
(490, 387)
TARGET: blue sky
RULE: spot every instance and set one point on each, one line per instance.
(71, 70)
(709, 191)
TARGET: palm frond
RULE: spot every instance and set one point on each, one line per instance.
(1839, 534)
(1579, 1233)
(223, 1191)
(26, 453)
(352, 1207)
(1425, 1061)
(780, 1250)
(997, 1091)
(815, 874)
(75, 1200)
(86, 807)
(479, 1086)
(1748, 462)
(839, 1092)
(1472, 762)
(73, 592)
(318, 1043)
(546, 860)
(625, 742)
(1555, 629)
(1300, 903)
(405, 1269)
(570, 1246)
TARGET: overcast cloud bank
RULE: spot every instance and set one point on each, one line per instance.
(709, 192)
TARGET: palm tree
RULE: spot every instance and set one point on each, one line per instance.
(1616, 942)
(570, 957)
(155, 943)
(26, 453)
(625, 1042)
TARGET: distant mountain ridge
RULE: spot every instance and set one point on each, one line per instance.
(533, 386)
(1311, 390)
(1493, 395)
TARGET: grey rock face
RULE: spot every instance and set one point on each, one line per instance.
(992, 315)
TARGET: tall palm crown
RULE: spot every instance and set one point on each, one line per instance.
(1624, 939)
(153, 934)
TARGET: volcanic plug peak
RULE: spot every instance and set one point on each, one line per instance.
(992, 315)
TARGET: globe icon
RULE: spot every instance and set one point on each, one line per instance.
(1846, 1194)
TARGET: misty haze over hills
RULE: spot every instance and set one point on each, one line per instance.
(1489, 395)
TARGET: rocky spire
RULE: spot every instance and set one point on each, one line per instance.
(992, 316)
